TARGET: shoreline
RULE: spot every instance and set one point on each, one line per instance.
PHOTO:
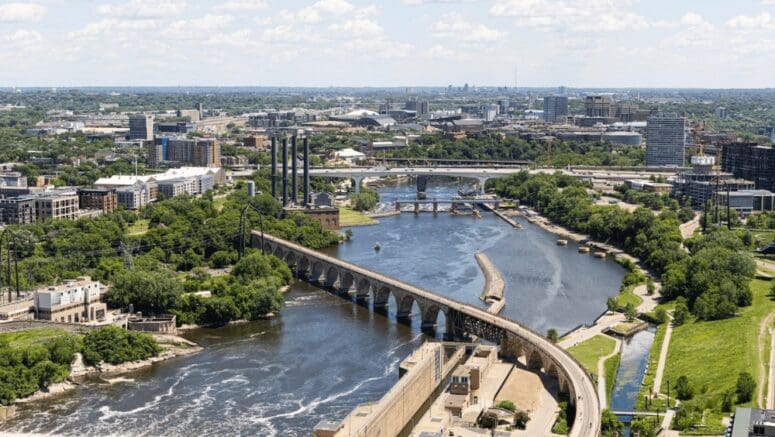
(173, 346)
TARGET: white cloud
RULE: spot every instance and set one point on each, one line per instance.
(336, 7)
(441, 52)
(572, 15)
(197, 28)
(112, 27)
(286, 33)
(379, 47)
(244, 5)
(695, 32)
(19, 12)
(454, 26)
(763, 21)
(142, 8)
(358, 26)
(21, 37)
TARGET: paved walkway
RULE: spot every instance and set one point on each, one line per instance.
(688, 228)
(663, 355)
(650, 301)
(602, 393)
(585, 333)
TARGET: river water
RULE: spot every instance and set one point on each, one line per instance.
(323, 355)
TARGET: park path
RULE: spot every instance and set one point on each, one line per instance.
(602, 393)
(586, 332)
(770, 385)
(762, 398)
(663, 355)
(688, 228)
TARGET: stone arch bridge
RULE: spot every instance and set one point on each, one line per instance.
(462, 320)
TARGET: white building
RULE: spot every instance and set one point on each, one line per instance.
(74, 301)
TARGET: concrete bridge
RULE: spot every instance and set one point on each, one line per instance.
(454, 203)
(462, 320)
(483, 174)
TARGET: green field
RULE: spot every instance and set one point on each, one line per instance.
(627, 296)
(711, 354)
(349, 217)
(590, 351)
(139, 227)
(30, 336)
(611, 366)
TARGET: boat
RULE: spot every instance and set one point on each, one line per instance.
(377, 247)
(562, 242)
(583, 249)
(600, 255)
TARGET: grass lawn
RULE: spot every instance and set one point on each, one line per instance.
(651, 367)
(139, 227)
(624, 328)
(590, 351)
(30, 336)
(218, 202)
(350, 217)
(627, 296)
(611, 366)
(712, 354)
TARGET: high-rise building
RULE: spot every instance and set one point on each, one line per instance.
(503, 105)
(18, 210)
(141, 127)
(665, 140)
(598, 105)
(199, 152)
(750, 161)
(555, 108)
(721, 112)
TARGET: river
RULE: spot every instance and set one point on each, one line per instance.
(323, 355)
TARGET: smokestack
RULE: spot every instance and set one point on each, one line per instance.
(306, 171)
(294, 173)
(285, 171)
(274, 167)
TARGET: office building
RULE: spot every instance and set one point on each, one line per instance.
(199, 152)
(13, 179)
(750, 161)
(503, 106)
(141, 127)
(19, 210)
(555, 108)
(420, 107)
(103, 199)
(74, 301)
(665, 140)
(598, 106)
(721, 112)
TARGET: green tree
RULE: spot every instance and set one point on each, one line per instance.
(610, 424)
(630, 312)
(507, 405)
(683, 389)
(644, 427)
(552, 335)
(153, 292)
(115, 345)
(611, 304)
(727, 401)
(681, 313)
(745, 387)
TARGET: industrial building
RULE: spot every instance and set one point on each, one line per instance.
(74, 301)
(752, 422)
(665, 140)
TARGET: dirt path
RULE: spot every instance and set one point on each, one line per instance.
(764, 328)
(602, 393)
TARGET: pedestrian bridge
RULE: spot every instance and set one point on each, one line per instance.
(462, 320)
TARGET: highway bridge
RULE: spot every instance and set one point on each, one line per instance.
(482, 174)
(462, 320)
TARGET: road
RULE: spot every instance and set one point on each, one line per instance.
(588, 410)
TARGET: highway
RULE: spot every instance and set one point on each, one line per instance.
(588, 410)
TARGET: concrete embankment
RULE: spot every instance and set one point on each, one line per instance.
(502, 216)
(493, 284)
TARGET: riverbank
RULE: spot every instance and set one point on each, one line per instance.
(172, 346)
(492, 292)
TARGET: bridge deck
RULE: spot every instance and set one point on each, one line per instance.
(588, 411)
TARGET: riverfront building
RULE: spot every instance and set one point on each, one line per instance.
(665, 140)
(750, 161)
(198, 152)
(74, 301)
(702, 183)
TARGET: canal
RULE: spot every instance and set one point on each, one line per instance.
(323, 355)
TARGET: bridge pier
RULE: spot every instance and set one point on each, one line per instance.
(453, 207)
(435, 206)
(416, 207)
(398, 206)
(357, 182)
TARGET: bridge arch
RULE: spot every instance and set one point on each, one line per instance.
(302, 267)
(331, 276)
(381, 297)
(316, 271)
(362, 289)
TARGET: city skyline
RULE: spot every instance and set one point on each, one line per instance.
(528, 43)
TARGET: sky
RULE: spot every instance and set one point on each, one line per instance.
(576, 43)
